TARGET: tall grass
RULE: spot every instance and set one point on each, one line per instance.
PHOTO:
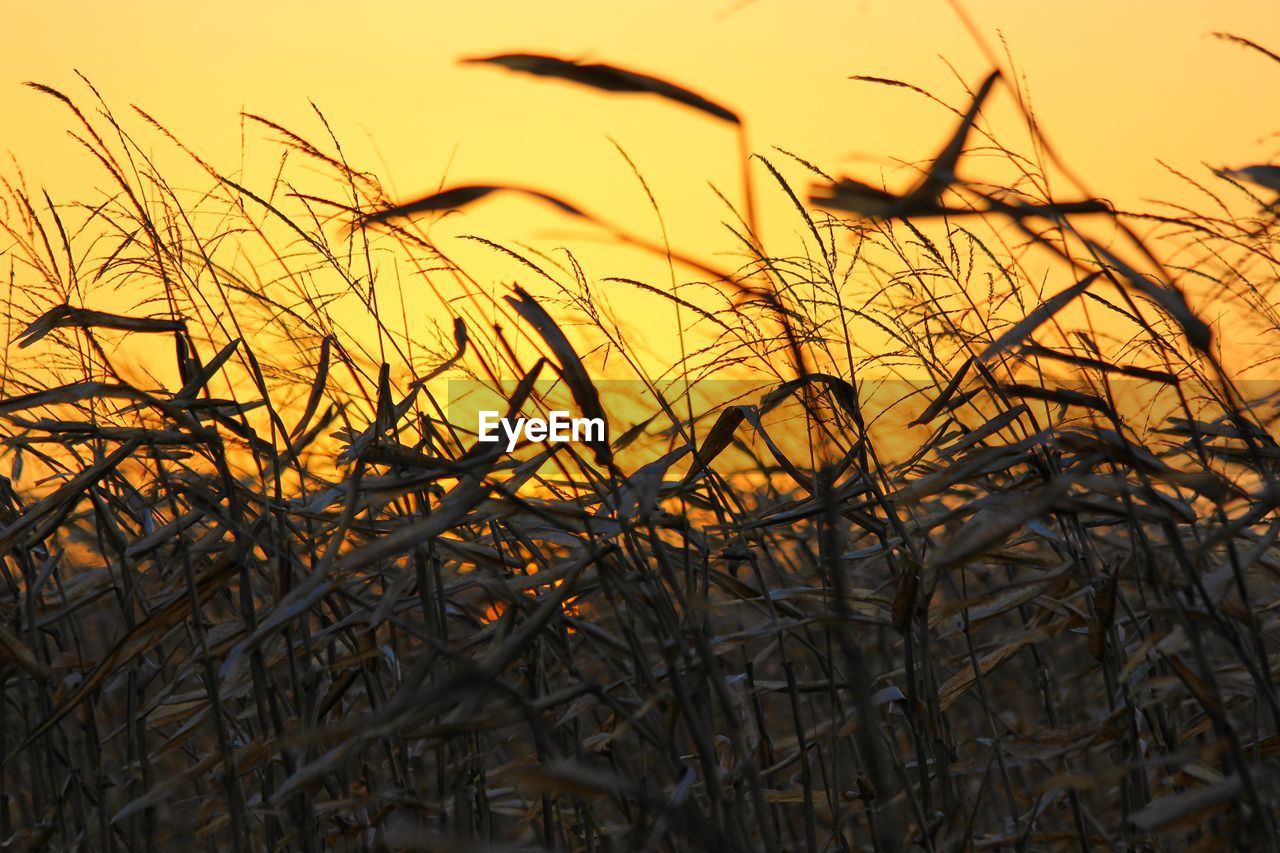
(989, 562)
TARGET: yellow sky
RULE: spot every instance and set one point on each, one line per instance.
(1115, 84)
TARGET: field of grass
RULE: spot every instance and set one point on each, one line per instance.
(977, 551)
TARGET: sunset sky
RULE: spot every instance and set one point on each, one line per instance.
(1116, 86)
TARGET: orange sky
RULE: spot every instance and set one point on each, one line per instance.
(1116, 85)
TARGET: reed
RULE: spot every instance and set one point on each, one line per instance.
(985, 557)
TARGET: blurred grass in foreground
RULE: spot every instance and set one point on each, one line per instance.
(946, 528)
